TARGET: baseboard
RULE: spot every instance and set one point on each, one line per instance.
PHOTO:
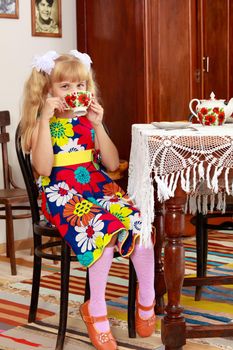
(20, 244)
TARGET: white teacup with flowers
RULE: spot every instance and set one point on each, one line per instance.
(78, 102)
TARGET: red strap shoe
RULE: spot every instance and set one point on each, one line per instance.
(144, 327)
(100, 340)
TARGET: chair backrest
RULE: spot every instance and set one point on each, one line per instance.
(4, 139)
(28, 176)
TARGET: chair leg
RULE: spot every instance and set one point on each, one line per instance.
(201, 250)
(35, 288)
(65, 274)
(10, 239)
(7, 244)
(205, 247)
(87, 287)
(131, 300)
(35, 279)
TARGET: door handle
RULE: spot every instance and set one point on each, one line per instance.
(206, 64)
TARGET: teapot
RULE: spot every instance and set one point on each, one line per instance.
(212, 111)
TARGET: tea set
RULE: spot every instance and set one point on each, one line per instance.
(211, 112)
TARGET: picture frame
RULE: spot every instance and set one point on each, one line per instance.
(9, 8)
(46, 18)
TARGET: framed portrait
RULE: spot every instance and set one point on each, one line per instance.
(9, 8)
(46, 18)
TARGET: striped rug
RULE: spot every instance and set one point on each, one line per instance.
(220, 258)
(16, 314)
(42, 336)
(216, 304)
(220, 251)
(50, 284)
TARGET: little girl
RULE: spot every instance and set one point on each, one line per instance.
(91, 212)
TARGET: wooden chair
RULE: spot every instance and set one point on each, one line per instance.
(40, 231)
(203, 224)
(11, 196)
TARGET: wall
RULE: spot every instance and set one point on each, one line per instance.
(17, 49)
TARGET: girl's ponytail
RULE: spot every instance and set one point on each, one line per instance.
(35, 93)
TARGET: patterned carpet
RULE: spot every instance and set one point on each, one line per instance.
(216, 304)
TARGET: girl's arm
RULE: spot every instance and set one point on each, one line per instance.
(108, 151)
(42, 150)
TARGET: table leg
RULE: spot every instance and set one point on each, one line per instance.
(160, 288)
(173, 324)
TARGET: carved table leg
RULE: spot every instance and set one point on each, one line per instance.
(173, 325)
(160, 288)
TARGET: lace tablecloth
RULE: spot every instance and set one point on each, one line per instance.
(197, 158)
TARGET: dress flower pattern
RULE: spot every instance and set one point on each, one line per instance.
(81, 200)
(61, 193)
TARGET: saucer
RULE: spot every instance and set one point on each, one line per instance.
(172, 125)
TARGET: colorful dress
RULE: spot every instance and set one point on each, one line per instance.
(81, 200)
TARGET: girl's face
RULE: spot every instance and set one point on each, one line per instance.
(63, 88)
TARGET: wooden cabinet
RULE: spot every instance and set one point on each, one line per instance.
(214, 49)
(148, 57)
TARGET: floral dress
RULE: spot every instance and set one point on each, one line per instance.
(81, 200)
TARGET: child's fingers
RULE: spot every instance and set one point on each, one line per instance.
(59, 105)
(96, 108)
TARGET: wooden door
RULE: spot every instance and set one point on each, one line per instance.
(112, 32)
(215, 47)
(177, 60)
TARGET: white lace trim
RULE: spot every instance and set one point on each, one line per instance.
(200, 160)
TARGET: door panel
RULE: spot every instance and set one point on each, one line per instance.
(175, 58)
(216, 47)
(113, 36)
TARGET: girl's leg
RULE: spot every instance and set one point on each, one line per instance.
(143, 261)
(98, 274)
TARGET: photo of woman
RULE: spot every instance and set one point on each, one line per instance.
(46, 18)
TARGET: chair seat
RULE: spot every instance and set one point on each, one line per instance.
(41, 228)
(13, 195)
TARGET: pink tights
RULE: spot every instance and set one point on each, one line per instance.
(98, 275)
(143, 261)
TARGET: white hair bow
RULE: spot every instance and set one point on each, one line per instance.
(46, 62)
(83, 57)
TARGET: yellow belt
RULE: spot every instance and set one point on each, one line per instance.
(70, 158)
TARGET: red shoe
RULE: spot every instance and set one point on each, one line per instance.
(100, 340)
(144, 327)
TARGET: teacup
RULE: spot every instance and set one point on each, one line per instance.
(78, 102)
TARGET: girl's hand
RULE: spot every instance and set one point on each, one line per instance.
(51, 104)
(95, 113)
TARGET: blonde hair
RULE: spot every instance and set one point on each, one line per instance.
(67, 67)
